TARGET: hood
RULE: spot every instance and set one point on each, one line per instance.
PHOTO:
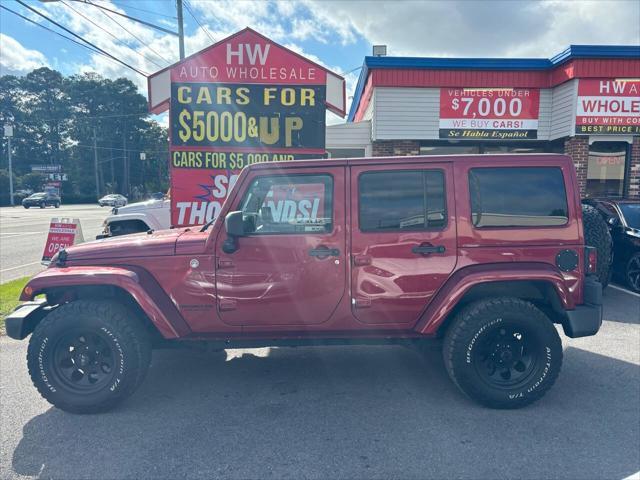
(160, 243)
(142, 206)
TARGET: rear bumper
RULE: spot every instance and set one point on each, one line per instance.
(21, 322)
(585, 320)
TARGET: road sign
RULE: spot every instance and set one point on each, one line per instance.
(63, 232)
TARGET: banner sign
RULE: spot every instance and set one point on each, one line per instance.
(608, 107)
(201, 180)
(489, 113)
(241, 101)
(246, 115)
(63, 232)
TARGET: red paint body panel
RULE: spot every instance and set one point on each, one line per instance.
(374, 287)
(464, 279)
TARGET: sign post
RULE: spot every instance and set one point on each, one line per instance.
(8, 133)
(241, 101)
(63, 232)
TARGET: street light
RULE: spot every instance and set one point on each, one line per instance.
(8, 133)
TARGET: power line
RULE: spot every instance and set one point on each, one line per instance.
(111, 34)
(162, 29)
(52, 31)
(204, 29)
(128, 31)
(88, 117)
(78, 36)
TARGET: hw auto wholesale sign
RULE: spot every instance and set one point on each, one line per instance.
(608, 107)
(241, 101)
(491, 113)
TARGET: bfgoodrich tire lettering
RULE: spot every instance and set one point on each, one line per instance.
(502, 352)
(87, 356)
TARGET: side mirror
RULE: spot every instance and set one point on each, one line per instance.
(234, 224)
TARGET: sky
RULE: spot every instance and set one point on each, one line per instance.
(336, 34)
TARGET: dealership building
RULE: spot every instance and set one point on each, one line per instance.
(584, 102)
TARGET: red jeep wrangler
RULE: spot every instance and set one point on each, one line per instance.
(486, 253)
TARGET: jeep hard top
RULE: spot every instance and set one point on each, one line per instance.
(485, 253)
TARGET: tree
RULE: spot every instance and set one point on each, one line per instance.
(54, 120)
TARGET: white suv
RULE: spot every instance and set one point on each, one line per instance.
(138, 217)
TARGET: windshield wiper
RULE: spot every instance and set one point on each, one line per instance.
(207, 225)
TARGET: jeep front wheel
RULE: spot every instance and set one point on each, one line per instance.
(87, 356)
(502, 352)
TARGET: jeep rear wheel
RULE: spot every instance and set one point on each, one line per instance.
(502, 352)
(596, 234)
(87, 356)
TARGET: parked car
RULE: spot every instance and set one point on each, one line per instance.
(137, 217)
(113, 200)
(484, 252)
(42, 199)
(623, 218)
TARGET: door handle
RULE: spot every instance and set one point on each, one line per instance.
(427, 249)
(324, 252)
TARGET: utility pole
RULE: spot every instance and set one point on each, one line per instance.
(95, 162)
(125, 163)
(8, 132)
(180, 28)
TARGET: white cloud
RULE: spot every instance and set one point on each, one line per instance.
(15, 59)
(488, 28)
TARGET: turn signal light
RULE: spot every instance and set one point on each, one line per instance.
(591, 260)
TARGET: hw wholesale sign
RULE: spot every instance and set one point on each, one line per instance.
(608, 107)
(63, 232)
(490, 113)
(241, 101)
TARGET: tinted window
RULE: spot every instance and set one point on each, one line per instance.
(631, 212)
(289, 204)
(402, 200)
(517, 197)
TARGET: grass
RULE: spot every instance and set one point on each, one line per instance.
(9, 293)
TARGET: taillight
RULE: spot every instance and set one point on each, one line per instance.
(590, 260)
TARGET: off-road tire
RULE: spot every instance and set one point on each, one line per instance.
(475, 324)
(120, 331)
(596, 234)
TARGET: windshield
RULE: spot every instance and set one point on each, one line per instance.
(631, 213)
(38, 195)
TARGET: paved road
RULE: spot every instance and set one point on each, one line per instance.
(336, 412)
(23, 234)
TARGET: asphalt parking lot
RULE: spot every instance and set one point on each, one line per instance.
(23, 234)
(336, 412)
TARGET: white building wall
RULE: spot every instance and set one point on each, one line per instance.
(563, 111)
(406, 113)
(413, 113)
(350, 135)
(544, 116)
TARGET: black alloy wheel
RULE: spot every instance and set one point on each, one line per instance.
(84, 361)
(506, 355)
(633, 272)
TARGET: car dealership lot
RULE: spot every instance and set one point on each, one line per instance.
(23, 234)
(339, 412)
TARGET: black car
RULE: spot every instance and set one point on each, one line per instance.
(41, 199)
(623, 218)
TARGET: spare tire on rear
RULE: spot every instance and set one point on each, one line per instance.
(596, 234)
